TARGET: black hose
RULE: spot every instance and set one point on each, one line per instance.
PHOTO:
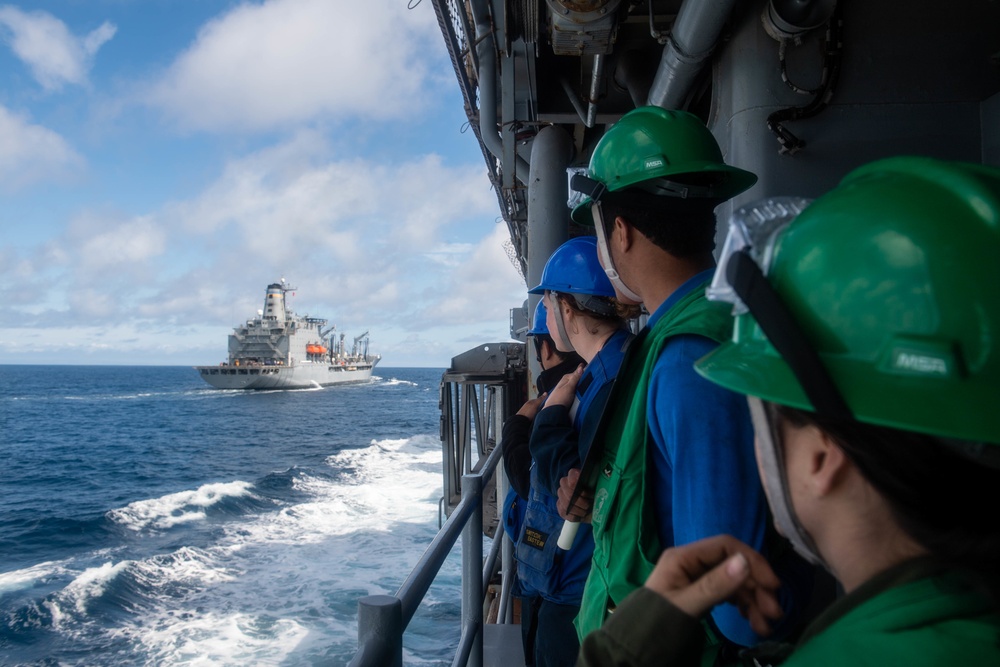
(833, 49)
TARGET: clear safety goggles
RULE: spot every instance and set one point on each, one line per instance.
(741, 279)
(753, 229)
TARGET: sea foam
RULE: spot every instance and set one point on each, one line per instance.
(177, 508)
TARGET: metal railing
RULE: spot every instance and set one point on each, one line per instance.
(383, 618)
(482, 388)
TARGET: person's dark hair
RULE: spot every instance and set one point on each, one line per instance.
(683, 227)
(941, 498)
(541, 338)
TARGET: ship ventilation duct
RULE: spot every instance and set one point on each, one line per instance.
(790, 19)
(582, 27)
(692, 40)
(487, 76)
(548, 190)
(634, 74)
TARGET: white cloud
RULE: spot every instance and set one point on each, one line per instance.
(293, 201)
(55, 56)
(482, 288)
(31, 153)
(395, 248)
(284, 61)
(132, 242)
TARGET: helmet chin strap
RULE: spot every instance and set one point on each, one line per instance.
(609, 265)
(775, 481)
(561, 338)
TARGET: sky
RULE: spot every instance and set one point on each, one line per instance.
(163, 161)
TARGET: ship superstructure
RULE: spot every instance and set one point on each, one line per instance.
(281, 350)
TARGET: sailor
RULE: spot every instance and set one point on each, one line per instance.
(514, 438)
(676, 462)
(516, 430)
(867, 350)
(584, 316)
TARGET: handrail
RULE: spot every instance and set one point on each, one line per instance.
(383, 618)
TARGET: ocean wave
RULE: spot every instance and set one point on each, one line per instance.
(395, 382)
(215, 637)
(135, 586)
(30, 576)
(177, 508)
(339, 539)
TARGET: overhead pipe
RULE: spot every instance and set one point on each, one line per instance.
(595, 89)
(573, 99)
(589, 117)
(694, 35)
(486, 54)
(632, 74)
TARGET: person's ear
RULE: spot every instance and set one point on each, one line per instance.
(623, 235)
(548, 350)
(827, 463)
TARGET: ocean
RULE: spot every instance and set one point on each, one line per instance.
(148, 519)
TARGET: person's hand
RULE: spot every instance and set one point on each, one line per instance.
(580, 510)
(564, 392)
(697, 576)
(531, 407)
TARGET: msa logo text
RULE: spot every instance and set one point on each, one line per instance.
(919, 363)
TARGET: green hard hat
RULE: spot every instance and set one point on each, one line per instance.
(652, 143)
(894, 277)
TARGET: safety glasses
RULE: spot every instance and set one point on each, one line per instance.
(741, 279)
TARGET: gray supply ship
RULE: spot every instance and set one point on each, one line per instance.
(281, 350)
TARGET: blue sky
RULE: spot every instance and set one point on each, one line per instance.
(162, 161)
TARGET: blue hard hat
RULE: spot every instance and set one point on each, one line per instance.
(573, 269)
(538, 326)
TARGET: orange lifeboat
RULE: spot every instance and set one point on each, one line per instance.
(315, 349)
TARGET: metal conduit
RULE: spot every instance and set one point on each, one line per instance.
(486, 52)
(595, 89)
(692, 40)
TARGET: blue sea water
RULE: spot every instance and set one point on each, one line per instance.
(148, 519)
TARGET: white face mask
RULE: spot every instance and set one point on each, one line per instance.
(770, 457)
(605, 254)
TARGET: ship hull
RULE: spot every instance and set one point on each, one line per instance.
(301, 376)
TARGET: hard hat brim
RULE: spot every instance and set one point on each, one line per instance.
(736, 181)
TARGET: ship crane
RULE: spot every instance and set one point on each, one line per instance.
(358, 339)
